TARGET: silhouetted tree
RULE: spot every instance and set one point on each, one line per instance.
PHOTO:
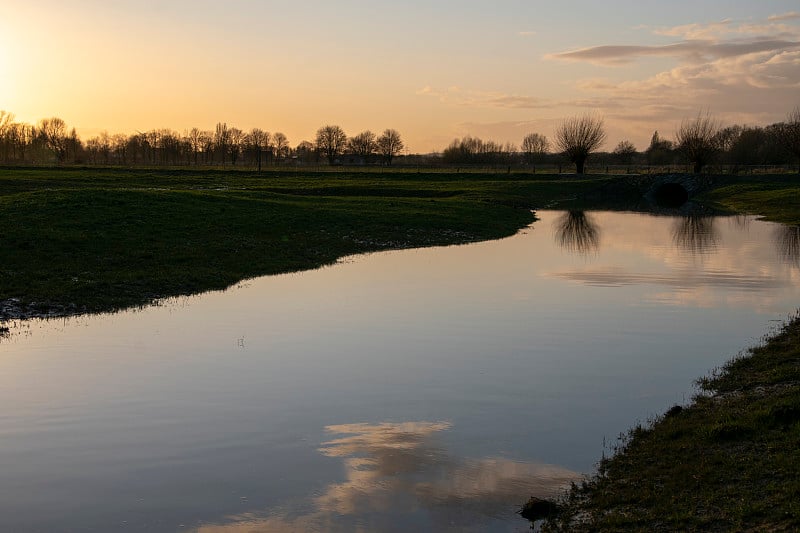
(535, 147)
(750, 147)
(306, 152)
(331, 141)
(624, 152)
(222, 140)
(789, 134)
(362, 145)
(237, 138)
(577, 137)
(257, 145)
(389, 144)
(281, 146)
(660, 150)
(473, 150)
(195, 141)
(698, 140)
(53, 132)
(6, 134)
(21, 137)
(119, 147)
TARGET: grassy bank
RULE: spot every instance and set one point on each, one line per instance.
(776, 198)
(74, 240)
(727, 462)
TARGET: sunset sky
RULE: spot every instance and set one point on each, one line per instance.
(432, 70)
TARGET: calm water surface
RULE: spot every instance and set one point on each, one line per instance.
(429, 390)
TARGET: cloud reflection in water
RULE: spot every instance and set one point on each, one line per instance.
(397, 478)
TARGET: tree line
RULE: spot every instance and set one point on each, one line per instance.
(698, 142)
(51, 141)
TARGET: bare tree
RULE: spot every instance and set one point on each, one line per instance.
(389, 144)
(237, 138)
(698, 140)
(195, 135)
(54, 134)
(789, 133)
(22, 137)
(305, 152)
(256, 142)
(105, 147)
(624, 152)
(330, 142)
(579, 136)
(281, 145)
(93, 149)
(535, 146)
(362, 145)
(7, 131)
(222, 140)
(207, 145)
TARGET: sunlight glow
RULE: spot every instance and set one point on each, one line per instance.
(6, 68)
(498, 75)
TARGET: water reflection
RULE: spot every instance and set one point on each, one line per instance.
(696, 234)
(787, 239)
(398, 478)
(740, 222)
(576, 231)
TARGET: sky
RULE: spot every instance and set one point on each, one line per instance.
(433, 70)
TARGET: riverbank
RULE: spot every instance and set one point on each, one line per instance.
(94, 240)
(726, 462)
(97, 240)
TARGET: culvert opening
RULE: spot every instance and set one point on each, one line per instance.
(671, 195)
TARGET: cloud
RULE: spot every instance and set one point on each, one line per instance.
(696, 31)
(469, 98)
(748, 72)
(792, 15)
(526, 33)
(698, 51)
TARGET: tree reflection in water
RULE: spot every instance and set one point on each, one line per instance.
(787, 239)
(696, 234)
(576, 231)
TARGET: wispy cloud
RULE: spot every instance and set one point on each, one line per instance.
(748, 69)
(696, 31)
(698, 51)
(469, 98)
(792, 15)
(526, 33)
